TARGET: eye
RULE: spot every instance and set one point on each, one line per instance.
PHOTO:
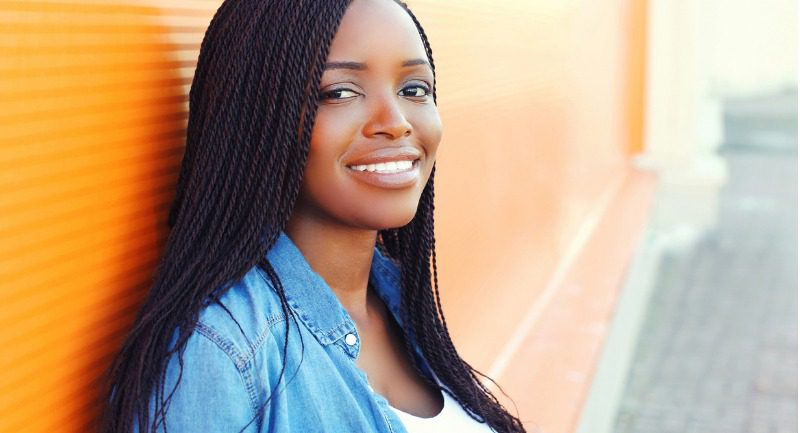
(416, 91)
(338, 95)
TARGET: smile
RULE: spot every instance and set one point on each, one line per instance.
(391, 174)
(384, 167)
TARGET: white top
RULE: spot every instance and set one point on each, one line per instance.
(452, 418)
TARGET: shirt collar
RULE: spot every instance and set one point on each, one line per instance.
(315, 303)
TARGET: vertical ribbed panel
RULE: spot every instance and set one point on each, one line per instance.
(93, 107)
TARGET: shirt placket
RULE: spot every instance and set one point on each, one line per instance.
(351, 343)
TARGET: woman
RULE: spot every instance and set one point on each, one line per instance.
(294, 292)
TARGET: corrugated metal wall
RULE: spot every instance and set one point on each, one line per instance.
(539, 102)
(93, 105)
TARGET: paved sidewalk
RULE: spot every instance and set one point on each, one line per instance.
(718, 351)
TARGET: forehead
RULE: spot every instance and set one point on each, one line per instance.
(373, 28)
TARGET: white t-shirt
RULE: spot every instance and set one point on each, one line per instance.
(452, 418)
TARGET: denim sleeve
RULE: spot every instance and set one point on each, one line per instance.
(212, 395)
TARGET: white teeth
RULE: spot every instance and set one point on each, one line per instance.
(404, 165)
(385, 167)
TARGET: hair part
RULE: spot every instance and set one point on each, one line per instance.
(252, 106)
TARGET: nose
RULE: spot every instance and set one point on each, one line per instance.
(386, 118)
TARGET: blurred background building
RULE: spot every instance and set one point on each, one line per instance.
(616, 202)
(705, 333)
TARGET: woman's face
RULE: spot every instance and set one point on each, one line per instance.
(377, 129)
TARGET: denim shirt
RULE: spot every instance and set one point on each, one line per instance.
(229, 373)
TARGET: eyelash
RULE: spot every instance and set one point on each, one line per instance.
(426, 91)
(328, 95)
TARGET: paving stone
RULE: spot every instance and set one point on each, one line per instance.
(718, 348)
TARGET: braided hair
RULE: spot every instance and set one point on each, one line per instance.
(252, 106)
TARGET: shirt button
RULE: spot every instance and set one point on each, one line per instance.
(350, 339)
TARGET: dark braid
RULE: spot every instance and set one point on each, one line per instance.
(252, 106)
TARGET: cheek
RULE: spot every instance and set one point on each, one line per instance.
(323, 156)
(428, 126)
(326, 134)
(325, 185)
(330, 138)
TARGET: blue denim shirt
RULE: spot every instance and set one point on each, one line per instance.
(229, 373)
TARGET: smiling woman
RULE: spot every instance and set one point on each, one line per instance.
(295, 291)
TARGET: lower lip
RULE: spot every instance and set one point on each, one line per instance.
(400, 179)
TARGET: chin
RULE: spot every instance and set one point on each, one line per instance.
(387, 217)
(401, 223)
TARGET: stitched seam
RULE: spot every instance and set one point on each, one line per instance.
(344, 351)
(223, 343)
(307, 322)
(318, 333)
(271, 321)
(298, 311)
(342, 327)
(262, 336)
(386, 419)
(241, 365)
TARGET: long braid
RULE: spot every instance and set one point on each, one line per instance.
(239, 179)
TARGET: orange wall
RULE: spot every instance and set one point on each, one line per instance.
(93, 114)
(534, 101)
(541, 103)
(542, 106)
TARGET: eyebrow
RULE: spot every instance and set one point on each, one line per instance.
(357, 66)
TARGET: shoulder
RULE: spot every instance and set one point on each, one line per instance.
(220, 378)
(207, 388)
(241, 323)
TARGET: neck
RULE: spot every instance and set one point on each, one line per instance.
(342, 256)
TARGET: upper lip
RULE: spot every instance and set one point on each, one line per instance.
(387, 154)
